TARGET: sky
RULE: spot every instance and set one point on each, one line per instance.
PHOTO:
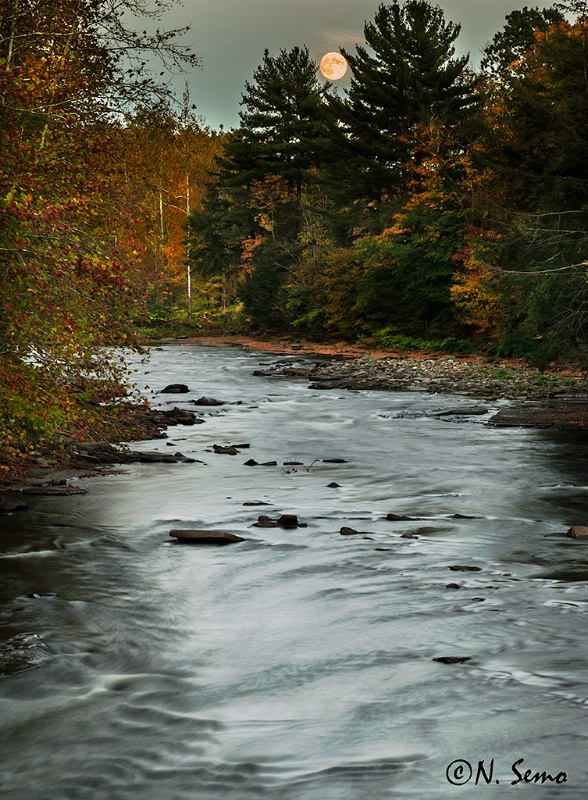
(230, 37)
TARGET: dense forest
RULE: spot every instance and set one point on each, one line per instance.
(428, 205)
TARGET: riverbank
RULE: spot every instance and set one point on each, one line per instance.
(552, 399)
(555, 398)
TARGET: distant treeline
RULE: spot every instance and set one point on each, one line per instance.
(427, 202)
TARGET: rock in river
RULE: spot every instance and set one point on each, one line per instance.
(285, 521)
(577, 532)
(460, 568)
(452, 659)
(229, 450)
(208, 401)
(7, 505)
(175, 388)
(206, 537)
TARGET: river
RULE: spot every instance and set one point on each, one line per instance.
(299, 664)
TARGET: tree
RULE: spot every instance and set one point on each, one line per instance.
(67, 283)
(536, 154)
(281, 126)
(255, 211)
(407, 78)
(511, 43)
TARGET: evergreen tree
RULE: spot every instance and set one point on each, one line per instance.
(408, 77)
(256, 211)
(281, 126)
(518, 35)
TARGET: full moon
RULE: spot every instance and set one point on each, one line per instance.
(333, 66)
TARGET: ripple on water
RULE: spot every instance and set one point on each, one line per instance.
(297, 665)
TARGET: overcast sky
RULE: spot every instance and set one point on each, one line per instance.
(231, 35)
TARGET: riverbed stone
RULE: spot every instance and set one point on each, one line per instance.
(464, 568)
(175, 388)
(284, 521)
(347, 531)
(178, 416)
(208, 401)
(229, 450)
(577, 532)
(453, 659)
(205, 536)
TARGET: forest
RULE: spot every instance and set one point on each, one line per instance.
(429, 206)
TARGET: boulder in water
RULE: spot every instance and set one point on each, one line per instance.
(208, 401)
(175, 388)
(206, 537)
(577, 532)
(460, 568)
(452, 659)
(285, 521)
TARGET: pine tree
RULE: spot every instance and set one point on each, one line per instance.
(518, 35)
(281, 126)
(408, 77)
(255, 212)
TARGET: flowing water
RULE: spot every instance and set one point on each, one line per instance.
(299, 664)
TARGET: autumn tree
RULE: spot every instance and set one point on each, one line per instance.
(67, 278)
(537, 148)
(510, 44)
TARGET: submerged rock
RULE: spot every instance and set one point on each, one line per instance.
(7, 505)
(206, 537)
(24, 651)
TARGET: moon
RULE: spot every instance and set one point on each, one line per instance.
(333, 66)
